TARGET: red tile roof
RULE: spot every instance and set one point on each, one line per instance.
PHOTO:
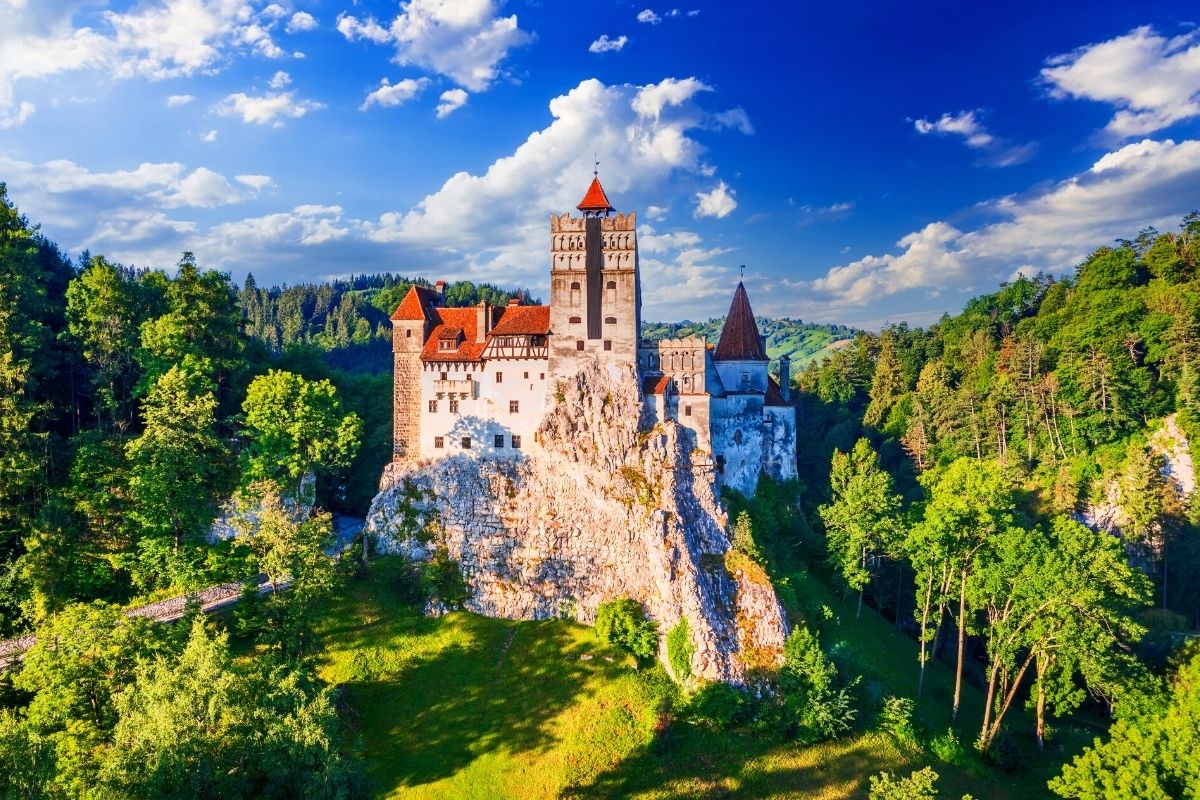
(416, 305)
(740, 340)
(653, 385)
(449, 319)
(774, 395)
(595, 199)
(522, 320)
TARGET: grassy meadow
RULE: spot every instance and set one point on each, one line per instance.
(464, 706)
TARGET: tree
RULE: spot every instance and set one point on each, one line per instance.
(179, 469)
(623, 622)
(970, 502)
(862, 520)
(295, 426)
(1152, 752)
(818, 707)
(887, 383)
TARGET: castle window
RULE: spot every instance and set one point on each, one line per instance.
(579, 344)
(607, 344)
(526, 376)
(576, 320)
(737, 437)
(541, 376)
(611, 285)
(445, 344)
(408, 334)
(499, 377)
(439, 442)
(433, 406)
(575, 285)
(499, 440)
(720, 465)
(466, 443)
(453, 406)
(745, 379)
(687, 411)
(516, 442)
(687, 381)
(610, 320)
(514, 406)
(445, 375)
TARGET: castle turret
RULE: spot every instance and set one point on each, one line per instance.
(411, 324)
(595, 294)
(741, 353)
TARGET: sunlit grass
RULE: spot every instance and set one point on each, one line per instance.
(464, 706)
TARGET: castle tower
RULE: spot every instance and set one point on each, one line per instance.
(595, 292)
(741, 353)
(411, 325)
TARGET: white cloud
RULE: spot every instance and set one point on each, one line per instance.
(390, 95)
(179, 100)
(718, 202)
(465, 41)
(607, 45)
(255, 182)
(300, 22)
(669, 93)
(17, 117)
(656, 213)
(996, 152)
(1141, 184)
(280, 79)
(695, 12)
(168, 39)
(211, 136)
(202, 189)
(271, 108)
(648, 16)
(1153, 81)
(735, 118)
(450, 101)
(306, 225)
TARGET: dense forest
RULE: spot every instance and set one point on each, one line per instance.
(945, 478)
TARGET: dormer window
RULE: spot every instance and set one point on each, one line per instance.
(445, 345)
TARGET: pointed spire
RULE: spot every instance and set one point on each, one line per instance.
(595, 201)
(740, 340)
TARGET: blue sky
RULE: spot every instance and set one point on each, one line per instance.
(868, 163)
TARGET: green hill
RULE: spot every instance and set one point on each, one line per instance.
(802, 342)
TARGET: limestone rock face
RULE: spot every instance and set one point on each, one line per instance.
(599, 510)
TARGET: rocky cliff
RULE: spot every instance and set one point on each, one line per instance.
(600, 509)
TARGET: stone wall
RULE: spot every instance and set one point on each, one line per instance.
(601, 510)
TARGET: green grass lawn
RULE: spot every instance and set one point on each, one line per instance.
(464, 706)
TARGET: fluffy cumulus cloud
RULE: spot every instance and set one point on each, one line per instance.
(606, 45)
(390, 95)
(300, 22)
(649, 17)
(465, 41)
(280, 79)
(168, 39)
(994, 150)
(717, 202)
(13, 117)
(1052, 229)
(179, 100)
(450, 101)
(271, 108)
(1151, 79)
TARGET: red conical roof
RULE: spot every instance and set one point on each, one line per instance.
(740, 340)
(595, 200)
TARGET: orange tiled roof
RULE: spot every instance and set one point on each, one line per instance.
(740, 340)
(416, 305)
(449, 319)
(522, 320)
(595, 199)
(774, 395)
(653, 385)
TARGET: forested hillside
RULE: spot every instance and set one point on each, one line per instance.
(802, 342)
(950, 468)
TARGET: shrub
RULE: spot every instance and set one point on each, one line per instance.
(1003, 752)
(441, 578)
(743, 538)
(921, 785)
(719, 705)
(895, 717)
(947, 748)
(623, 622)
(680, 650)
(819, 708)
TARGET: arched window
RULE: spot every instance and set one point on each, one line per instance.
(574, 284)
(610, 320)
(575, 320)
(611, 285)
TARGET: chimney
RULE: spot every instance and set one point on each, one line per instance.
(483, 320)
(763, 341)
(440, 287)
(785, 377)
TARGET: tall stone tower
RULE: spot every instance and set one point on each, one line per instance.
(595, 291)
(411, 324)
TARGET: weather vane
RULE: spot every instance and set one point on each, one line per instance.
(596, 165)
(742, 271)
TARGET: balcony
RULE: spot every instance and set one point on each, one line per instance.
(458, 389)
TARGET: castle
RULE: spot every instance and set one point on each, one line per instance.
(475, 381)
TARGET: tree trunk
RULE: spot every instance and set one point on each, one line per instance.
(925, 608)
(962, 634)
(1041, 710)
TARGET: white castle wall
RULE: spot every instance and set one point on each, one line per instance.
(483, 405)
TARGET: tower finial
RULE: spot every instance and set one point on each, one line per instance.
(595, 165)
(742, 271)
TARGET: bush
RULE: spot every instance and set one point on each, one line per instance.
(895, 717)
(1003, 752)
(680, 650)
(441, 578)
(819, 708)
(921, 785)
(947, 748)
(623, 622)
(720, 706)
